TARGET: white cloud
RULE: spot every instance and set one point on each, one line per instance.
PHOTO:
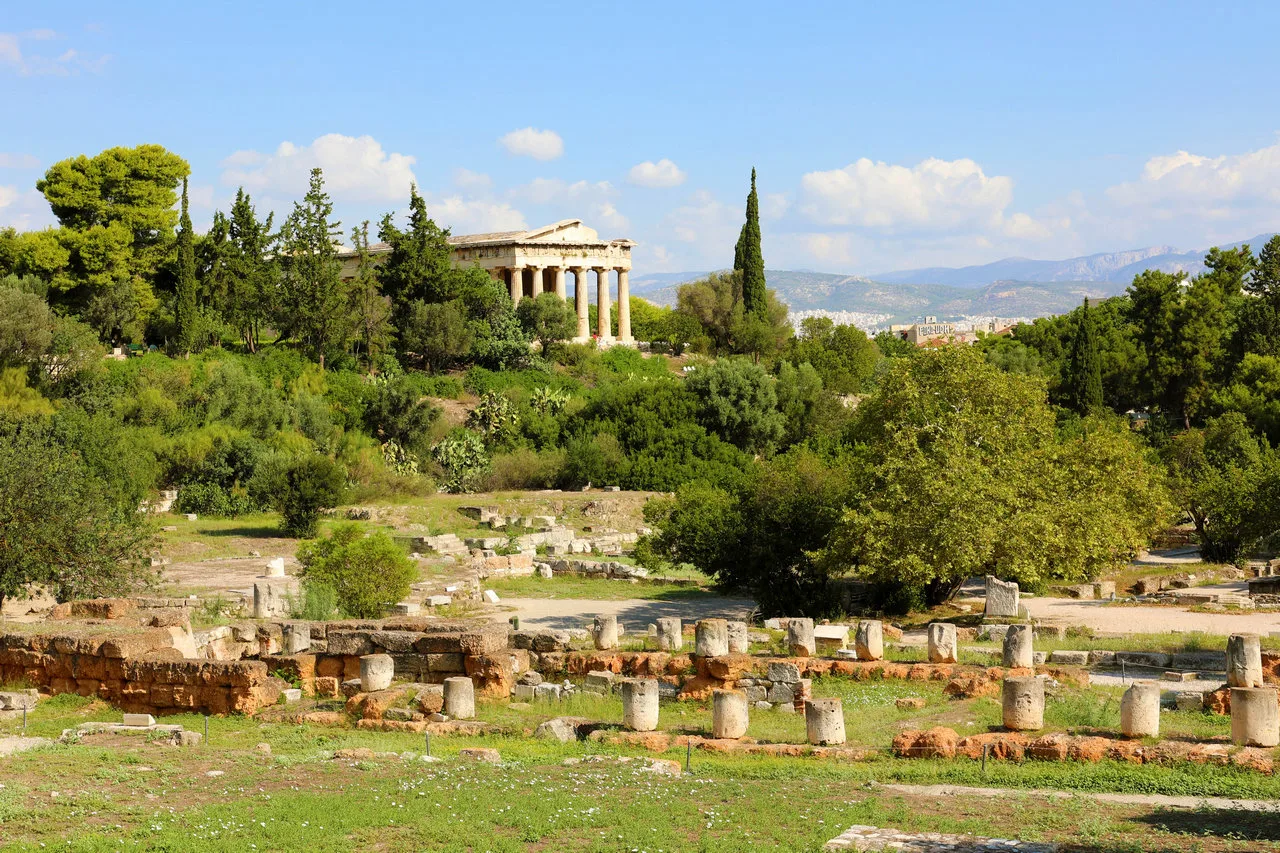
(774, 205)
(664, 173)
(531, 142)
(356, 168)
(18, 161)
(547, 190)
(68, 63)
(1215, 186)
(607, 215)
(465, 179)
(475, 216)
(23, 209)
(932, 195)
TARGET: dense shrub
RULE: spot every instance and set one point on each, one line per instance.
(300, 488)
(367, 572)
(524, 469)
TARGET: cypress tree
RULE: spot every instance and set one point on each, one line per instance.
(1085, 366)
(185, 310)
(749, 257)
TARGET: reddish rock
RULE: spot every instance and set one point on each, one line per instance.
(699, 687)
(1090, 749)
(938, 742)
(1052, 747)
(728, 667)
(1126, 750)
(493, 675)
(327, 687)
(968, 687)
(909, 703)
(1218, 701)
(1003, 746)
(891, 632)
(679, 664)
(1254, 758)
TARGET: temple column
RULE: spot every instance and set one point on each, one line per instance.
(537, 282)
(580, 302)
(517, 284)
(624, 308)
(603, 326)
(559, 282)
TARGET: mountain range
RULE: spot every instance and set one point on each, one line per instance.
(1013, 287)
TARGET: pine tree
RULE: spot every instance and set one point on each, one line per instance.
(749, 257)
(314, 305)
(1085, 366)
(251, 270)
(186, 311)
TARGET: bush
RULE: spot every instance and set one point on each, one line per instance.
(462, 458)
(525, 469)
(300, 489)
(318, 602)
(213, 500)
(365, 572)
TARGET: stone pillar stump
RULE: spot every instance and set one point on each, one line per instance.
(459, 698)
(670, 633)
(376, 672)
(711, 638)
(1019, 647)
(1244, 660)
(728, 714)
(1140, 710)
(869, 640)
(942, 643)
(640, 704)
(800, 638)
(1023, 701)
(824, 722)
(1255, 716)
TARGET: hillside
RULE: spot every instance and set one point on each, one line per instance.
(903, 302)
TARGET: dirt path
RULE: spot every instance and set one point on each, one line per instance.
(635, 613)
(1101, 616)
(1163, 800)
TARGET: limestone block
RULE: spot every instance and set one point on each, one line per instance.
(670, 633)
(490, 596)
(275, 567)
(563, 729)
(1104, 589)
(459, 698)
(782, 693)
(1019, 650)
(830, 638)
(139, 720)
(292, 694)
(376, 672)
(439, 600)
(1244, 660)
(640, 704)
(547, 692)
(1069, 658)
(522, 692)
(19, 700)
(1140, 710)
(297, 638)
(780, 670)
(728, 714)
(1023, 701)
(1002, 598)
(824, 722)
(270, 599)
(800, 638)
(869, 640)
(942, 642)
(738, 639)
(1255, 716)
(711, 638)
(600, 681)
(604, 632)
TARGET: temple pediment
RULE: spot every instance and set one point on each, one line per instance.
(564, 231)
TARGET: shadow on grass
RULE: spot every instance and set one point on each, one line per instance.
(1236, 824)
(248, 532)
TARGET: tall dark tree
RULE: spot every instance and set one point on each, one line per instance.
(186, 311)
(1085, 371)
(252, 271)
(314, 306)
(748, 256)
(371, 311)
(419, 265)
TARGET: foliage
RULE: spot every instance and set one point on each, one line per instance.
(737, 401)
(842, 356)
(396, 412)
(748, 257)
(63, 528)
(1085, 369)
(367, 572)
(546, 319)
(313, 298)
(715, 304)
(370, 310)
(437, 331)
(462, 457)
(494, 418)
(186, 311)
(300, 489)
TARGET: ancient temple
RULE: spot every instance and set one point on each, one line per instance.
(540, 261)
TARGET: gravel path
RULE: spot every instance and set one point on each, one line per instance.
(1147, 620)
(635, 613)
(1122, 799)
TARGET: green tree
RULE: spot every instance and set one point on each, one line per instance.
(843, 356)
(748, 257)
(1258, 319)
(370, 310)
(368, 571)
(547, 319)
(462, 458)
(62, 529)
(251, 269)
(186, 309)
(300, 489)
(419, 266)
(26, 329)
(737, 400)
(1085, 369)
(314, 304)
(437, 331)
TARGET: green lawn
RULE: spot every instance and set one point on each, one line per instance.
(580, 586)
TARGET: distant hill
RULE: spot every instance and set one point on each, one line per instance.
(1108, 266)
(902, 302)
(1013, 287)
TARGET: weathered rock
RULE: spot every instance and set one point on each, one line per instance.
(938, 742)
(711, 638)
(1002, 598)
(1140, 710)
(800, 638)
(459, 698)
(670, 636)
(563, 729)
(942, 642)
(1069, 658)
(1023, 703)
(1244, 660)
(1255, 716)
(869, 640)
(824, 722)
(640, 704)
(728, 714)
(605, 632)
(1018, 648)
(480, 754)
(376, 672)
(739, 642)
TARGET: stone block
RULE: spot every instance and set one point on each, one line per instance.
(139, 720)
(376, 672)
(783, 671)
(439, 600)
(800, 637)
(354, 643)
(547, 692)
(831, 637)
(1002, 598)
(1069, 658)
(943, 647)
(739, 639)
(711, 638)
(490, 596)
(599, 681)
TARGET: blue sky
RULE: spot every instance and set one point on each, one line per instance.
(886, 135)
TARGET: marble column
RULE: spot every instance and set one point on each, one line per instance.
(517, 284)
(559, 282)
(604, 329)
(537, 282)
(580, 296)
(624, 308)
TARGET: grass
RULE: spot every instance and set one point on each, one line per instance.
(578, 586)
(1169, 642)
(122, 793)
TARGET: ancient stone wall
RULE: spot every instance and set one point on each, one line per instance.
(140, 672)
